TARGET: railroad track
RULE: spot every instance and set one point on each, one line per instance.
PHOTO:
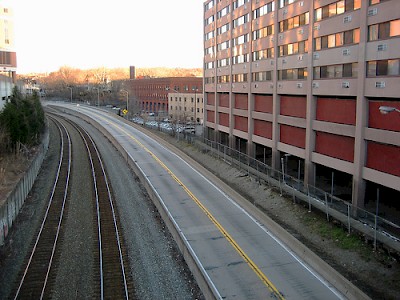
(114, 282)
(35, 276)
(110, 276)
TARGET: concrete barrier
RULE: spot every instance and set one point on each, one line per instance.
(9, 210)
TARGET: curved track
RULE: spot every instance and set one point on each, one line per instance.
(113, 279)
(33, 284)
(110, 278)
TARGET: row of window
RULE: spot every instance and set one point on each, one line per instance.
(236, 4)
(293, 48)
(336, 71)
(375, 32)
(384, 30)
(323, 42)
(389, 67)
(171, 99)
(294, 22)
(321, 13)
(337, 39)
(337, 8)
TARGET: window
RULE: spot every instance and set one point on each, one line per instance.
(239, 3)
(389, 67)
(223, 62)
(263, 10)
(241, 39)
(240, 21)
(384, 30)
(372, 2)
(209, 65)
(223, 12)
(283, 3)
(223, 29)
(240, 59)
(336, 71)
(209, 35)
(209, 5)
(223, 46)
(263, 32)
(337, 39)
(292, 74)
(209, 20)
(209, 80)
(223, 79)
(262, 76)
(294, 22)
(263, 54)
(209, 50)
(239, 77)
(394, 28)
(336, 8)
(294, 48)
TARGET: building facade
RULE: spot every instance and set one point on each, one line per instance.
(305, 79)
(186, 106)
(152, 95)
(8, 58)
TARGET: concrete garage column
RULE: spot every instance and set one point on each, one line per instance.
(309, 166)
(275, 131)
(250, 125)
(361, 115)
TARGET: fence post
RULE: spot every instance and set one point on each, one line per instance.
(326, 205)
(348, 217)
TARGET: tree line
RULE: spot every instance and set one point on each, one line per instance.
(22, 122)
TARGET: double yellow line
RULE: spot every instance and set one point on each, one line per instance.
(234, 244)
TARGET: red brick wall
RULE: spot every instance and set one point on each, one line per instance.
(294, 106)
(342, 111)
(210, 116)
(223, 119)
(384, 158)
(293, 136)
(337, 146)
(224, 100)
(389, 121)
(241, 123)
(241, 101)
(210, 98)
(263, 128)
(263, 103)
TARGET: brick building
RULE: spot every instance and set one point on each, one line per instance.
(304, 79)
(152, 95)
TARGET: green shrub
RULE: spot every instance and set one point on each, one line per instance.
(22, 119)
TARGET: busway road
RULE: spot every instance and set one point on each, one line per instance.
(237, 254)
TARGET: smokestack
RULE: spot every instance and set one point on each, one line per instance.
(132, 74)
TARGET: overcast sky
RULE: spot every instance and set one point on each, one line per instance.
(119, 33)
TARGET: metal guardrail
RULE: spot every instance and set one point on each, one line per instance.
(333, 206)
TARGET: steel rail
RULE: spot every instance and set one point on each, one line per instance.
(92, 144)
(45, 218)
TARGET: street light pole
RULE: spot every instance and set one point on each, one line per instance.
(98, 95)
(68, 87)
(127, 99)
(169, 89)
(388, 109)
(195, 89)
